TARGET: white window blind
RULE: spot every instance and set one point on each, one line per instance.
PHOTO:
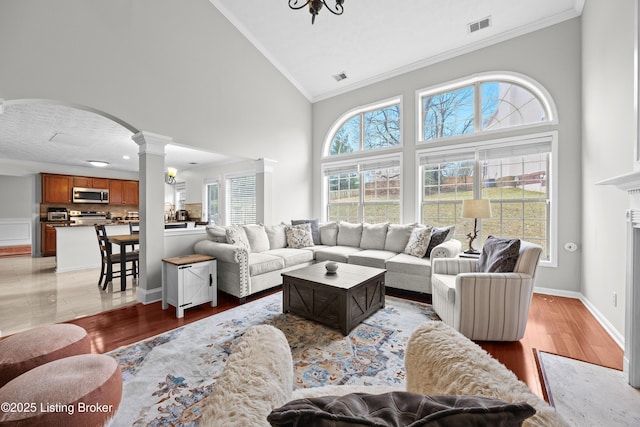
(242, 200)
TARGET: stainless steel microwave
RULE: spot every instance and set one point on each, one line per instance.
(90, 195)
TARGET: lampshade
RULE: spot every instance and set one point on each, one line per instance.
(476, 208)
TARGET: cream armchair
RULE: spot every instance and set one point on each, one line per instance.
(485, 306)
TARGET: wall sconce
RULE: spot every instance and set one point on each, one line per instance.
(170, 176)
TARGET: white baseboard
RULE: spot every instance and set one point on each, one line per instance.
(613, 332)
(147, 296)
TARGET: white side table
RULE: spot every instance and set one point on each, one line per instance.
(188, 281)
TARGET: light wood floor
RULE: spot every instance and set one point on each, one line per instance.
(557, 325)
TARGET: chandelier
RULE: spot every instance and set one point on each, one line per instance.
(316, 5)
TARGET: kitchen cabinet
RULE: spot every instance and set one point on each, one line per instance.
(123, 192)
(89, 182)
(48, 240)
(188, 281)
(56, 188)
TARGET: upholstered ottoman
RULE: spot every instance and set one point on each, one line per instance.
(26, 350)
(83, 390)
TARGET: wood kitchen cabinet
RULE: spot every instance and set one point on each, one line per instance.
(89, 182)
(48, 240)
(56, 188)
(123, 192)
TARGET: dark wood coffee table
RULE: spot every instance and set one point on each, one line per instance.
(340, 300)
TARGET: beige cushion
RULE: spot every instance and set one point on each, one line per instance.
(373, 236)
(371, 258)
(22, 352)
(336, 253)
(260, 263)
(257, 236)
(276, 235)
(329, 233)
(398, 237)
(292, 256)
(403, 263)
(349, 234)
(71, 382)
(217, 233)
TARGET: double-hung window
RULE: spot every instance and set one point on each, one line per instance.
(241, 199)
(361, 184)
(212, 201)
(477, 140)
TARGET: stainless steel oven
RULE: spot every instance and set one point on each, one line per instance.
(90, 195)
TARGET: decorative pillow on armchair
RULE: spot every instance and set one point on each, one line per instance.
(299, 236)
(499, 255)
(400, 408)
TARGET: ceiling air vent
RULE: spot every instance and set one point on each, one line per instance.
(479, 25)
(340, 76)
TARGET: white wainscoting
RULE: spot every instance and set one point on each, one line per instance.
(15, 231)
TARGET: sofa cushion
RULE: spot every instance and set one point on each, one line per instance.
(336, 253)
(400, 408)
(418, 242)
(403, 263)
(371, 258)
(260, 263)
(276, 235)
(315, 229)
(292, 256)
(373, 236)
(299, 235)
(440, 235)
(398, 237)
(329, 233)
(236, 236)
(257, 237)
(349, 234)
(499, 255)
(217, 233)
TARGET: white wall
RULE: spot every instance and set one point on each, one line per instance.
(550, 56)
(608, 141)
(176, 68)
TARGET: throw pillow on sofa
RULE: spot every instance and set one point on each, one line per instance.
(329, 233)
(299, 236)
(236, 236)
(315, 230)
(400, 408)
(277, 235)
(418, 242)
(439, 236)
(499, 255)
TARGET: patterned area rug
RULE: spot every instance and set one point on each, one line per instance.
(166, 377)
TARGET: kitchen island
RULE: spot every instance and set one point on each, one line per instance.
(77, 246)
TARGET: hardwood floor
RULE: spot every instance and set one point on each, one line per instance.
(556, 325)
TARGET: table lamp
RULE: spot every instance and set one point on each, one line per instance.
(475, 208)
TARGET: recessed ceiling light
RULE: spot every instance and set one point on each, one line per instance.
(98, 163)
(340, 76)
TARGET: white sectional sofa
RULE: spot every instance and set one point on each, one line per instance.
(256, 261)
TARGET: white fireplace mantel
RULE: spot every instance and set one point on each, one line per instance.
(626, 182)
(630, 183)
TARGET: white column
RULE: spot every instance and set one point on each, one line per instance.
(151, 175)
(264, 190)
